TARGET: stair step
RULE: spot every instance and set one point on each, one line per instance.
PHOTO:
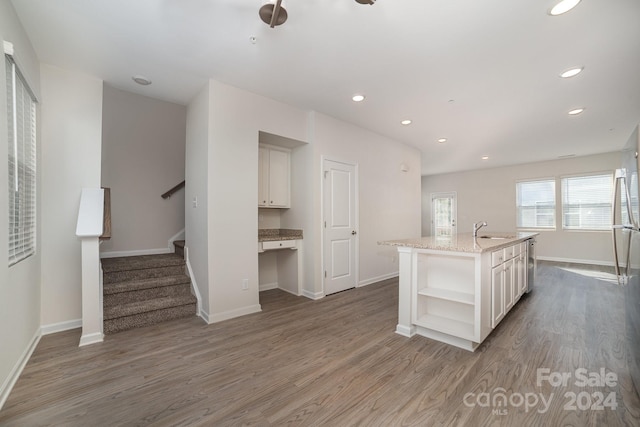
(121, 298)
(145, 290)
(141, 262)
(146, 273)
(139, 307)
(148, 318)
(141, 284)
(179, 247)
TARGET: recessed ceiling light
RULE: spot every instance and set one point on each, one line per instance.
(571, 72)
(141, 80)
(405, 122)
(357, 98)
(576, 111)
(441, 140)
(485, 157)
(563, 7)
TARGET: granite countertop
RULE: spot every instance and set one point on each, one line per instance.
(275, 234)
(463, 242)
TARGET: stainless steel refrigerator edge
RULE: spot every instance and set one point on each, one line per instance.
(626, 247)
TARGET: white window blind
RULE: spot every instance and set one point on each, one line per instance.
(536, 204)
(21, 111)
(586, 202)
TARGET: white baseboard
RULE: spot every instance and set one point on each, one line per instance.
(226, 315)
(91, 339)
(405, 331)
(8, 384)
(312, 295)
(575, 261)
(61, 326)
(194, 285)
(116, 254)
(268, 286)
(378, 279)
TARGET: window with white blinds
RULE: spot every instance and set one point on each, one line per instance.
(536, 204)
(21, 112)
(586, 202)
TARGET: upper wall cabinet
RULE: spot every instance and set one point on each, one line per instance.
(274, 177)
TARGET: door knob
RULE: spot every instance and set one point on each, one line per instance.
(353, 233)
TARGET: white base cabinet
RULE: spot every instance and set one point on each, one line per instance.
(508, 280)
(458, 297)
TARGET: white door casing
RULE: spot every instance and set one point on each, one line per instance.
(443, 214)
(340, 237)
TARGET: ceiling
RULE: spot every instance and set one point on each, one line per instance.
(483, 74)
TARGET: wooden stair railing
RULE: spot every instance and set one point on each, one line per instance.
(173, 190)
(106, 216)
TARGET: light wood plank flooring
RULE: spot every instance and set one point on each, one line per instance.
(336, 362)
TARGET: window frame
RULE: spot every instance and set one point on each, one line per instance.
(606, 206)
(519, 207)
(22, 167)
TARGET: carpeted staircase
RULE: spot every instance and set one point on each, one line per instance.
(145, 290)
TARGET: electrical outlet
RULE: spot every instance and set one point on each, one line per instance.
(245, 284)
(195, 202)
(260, 218)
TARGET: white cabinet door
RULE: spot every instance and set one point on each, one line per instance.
(522, 277)
(279, 179)
(263, 176)
(497, 295)
(274, 177)
(509, 291)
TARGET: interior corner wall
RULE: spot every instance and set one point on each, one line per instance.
(389, 198)
(235, 118)
(71, 123)
(197, 194)
(20, 283)
(490, 195)
(143, 156)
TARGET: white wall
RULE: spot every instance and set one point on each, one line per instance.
(490, 195)
(19, 284)
(196, 177)
(236, 117)
(71, 143)
(389, 199)
(143, 155)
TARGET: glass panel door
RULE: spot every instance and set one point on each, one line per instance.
(443, 214)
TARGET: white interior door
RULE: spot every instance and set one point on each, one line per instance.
(340, 233)
(443, 214)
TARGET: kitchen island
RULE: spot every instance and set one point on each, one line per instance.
(456, 289)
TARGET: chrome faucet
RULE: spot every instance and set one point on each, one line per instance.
(477, 226)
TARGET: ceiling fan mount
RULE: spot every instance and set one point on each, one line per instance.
(273, 12)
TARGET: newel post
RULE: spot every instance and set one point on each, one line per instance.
(89, 229)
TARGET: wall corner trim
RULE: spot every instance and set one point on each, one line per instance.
(230, 314)
(312, 295)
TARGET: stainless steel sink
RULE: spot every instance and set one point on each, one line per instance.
(496, 237)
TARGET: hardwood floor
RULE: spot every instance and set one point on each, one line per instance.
(338, 362)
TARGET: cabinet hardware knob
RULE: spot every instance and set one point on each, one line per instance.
(353, 233)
